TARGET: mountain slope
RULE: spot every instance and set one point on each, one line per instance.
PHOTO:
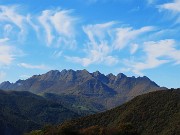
(154, 113)
(23, 111)
(80, 105)
(107, 90)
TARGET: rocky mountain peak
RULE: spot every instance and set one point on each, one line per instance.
(64, 71)
(53, 72)
(51, 75)
(100, 77)
(97, 73)
(121, 75)
(82, 72)
(111, 76)
(5, 84)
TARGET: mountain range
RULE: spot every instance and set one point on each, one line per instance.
(55, 97)
(106, 91)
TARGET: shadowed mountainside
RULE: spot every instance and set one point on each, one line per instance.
(23, 111)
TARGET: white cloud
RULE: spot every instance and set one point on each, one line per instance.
(58, 23)
(6, 56)
(97, 47)
(98, 31)
(6, 52)
(29, 66)
(9, 14)
(57, 54)
(134, 48)
(63, 22)
(173, 6)
(126, 35)
(7, 30)
(43, 19)
(36, 28)
(4, 40)
(96, 54)
(104, 39)
(156, 54)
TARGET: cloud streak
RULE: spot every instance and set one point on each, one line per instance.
(104, 39)
(7, 52)
(156, 53)
(9, 14)
(173, 6)
(97, 47)
(30, 66)
(58, 23)
(123, 36)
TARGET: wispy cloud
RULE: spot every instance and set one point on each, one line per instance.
(7, 52)
(173, 6)
(57, 54)
(134, 48)
(123, 36)
(10, 14)
(156, 54)
(58, 23)
(97, 47)
(30, 66)
(96, 55)
(104, 39)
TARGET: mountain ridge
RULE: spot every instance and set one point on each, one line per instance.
(110, 90)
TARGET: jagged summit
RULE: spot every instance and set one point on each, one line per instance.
(115, 88)
(121, 75)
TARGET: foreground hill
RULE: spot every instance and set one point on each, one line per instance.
(106, 90)
(155, 113)
(23, 111)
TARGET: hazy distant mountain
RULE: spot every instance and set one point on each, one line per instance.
(23, 111)
(155, 113)
(108, 90)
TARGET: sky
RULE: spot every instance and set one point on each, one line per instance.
(134, 37)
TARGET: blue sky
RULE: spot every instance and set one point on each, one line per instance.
(135, 37)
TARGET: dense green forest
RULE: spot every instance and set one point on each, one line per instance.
(154, 113)
(23, 111)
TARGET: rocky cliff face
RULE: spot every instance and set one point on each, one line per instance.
(110, 88)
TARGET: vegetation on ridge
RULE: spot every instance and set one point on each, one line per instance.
(154, 113)
(23, 111)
